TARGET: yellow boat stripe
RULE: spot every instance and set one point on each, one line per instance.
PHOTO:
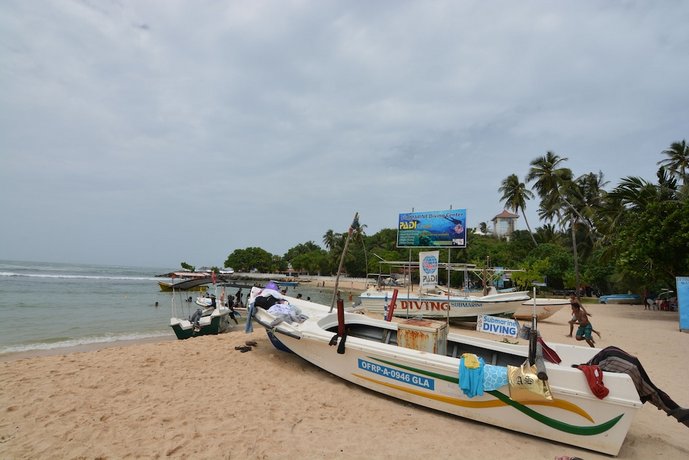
(559, 403)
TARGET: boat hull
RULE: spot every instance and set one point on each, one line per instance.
(466, 308)
(545, 308)
(620, 298)
(193, 285)
(574, 416)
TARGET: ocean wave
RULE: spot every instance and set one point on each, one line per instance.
(87, 277)
(69, 343)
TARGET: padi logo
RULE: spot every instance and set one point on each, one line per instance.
(430, 264)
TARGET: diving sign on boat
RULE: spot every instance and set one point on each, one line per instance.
(396, 374)
(497, 326)
(436, 305)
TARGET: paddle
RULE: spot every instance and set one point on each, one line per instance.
(341, 330)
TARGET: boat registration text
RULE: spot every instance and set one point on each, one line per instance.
(396, 374)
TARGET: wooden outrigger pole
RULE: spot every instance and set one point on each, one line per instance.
(355, 225)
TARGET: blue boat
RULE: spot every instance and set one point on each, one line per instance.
(620, 298)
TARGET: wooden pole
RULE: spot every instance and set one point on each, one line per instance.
(344, 251)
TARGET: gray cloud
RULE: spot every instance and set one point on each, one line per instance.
(149, 132)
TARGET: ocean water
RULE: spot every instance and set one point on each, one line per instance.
(46, 306)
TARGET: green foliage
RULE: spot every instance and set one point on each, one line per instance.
(653, 244)
(633, 237)
(300, 249)
(315, 262)
(186, 266)
(548, 262)
(250, 258)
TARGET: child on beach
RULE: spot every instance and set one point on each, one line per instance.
(585, 327)
(574, 302)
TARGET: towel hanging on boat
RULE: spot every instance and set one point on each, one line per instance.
(471, 378)
(494, 377)
(594, 377)
(471, 361)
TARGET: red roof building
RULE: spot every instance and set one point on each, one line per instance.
(503, 224)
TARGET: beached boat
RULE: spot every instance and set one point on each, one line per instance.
(419, 361)
(545, 308)
(215, 321)
(620, 298)
(214, 318)
(440, 305)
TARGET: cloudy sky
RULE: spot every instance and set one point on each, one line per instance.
(153, 132)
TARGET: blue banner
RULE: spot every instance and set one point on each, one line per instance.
(683, 302)
(432, 229)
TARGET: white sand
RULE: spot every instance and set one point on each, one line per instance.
(200, 398)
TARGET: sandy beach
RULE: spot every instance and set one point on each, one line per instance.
(201, 398)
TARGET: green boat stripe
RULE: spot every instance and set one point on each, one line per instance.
(558, 425)
(551, 422)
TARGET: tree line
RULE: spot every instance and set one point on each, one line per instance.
(631, 237)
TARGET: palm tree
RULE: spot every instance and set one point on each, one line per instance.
(359, 233)
(548, 234)
(592, 187)
(549, 178)
(515, 194)
(555, 185)
(667, 186)
(330, 240)
(677, 161)
(633, 193)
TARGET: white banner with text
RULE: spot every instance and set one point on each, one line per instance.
(428, 269)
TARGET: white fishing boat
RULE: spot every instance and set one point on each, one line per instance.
(544, 308)
(212, 322)
(419, 361)
(209, 319)
(440, 305)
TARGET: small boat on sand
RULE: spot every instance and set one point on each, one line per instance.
(545, 308)
(620, 298)
(420, 362)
